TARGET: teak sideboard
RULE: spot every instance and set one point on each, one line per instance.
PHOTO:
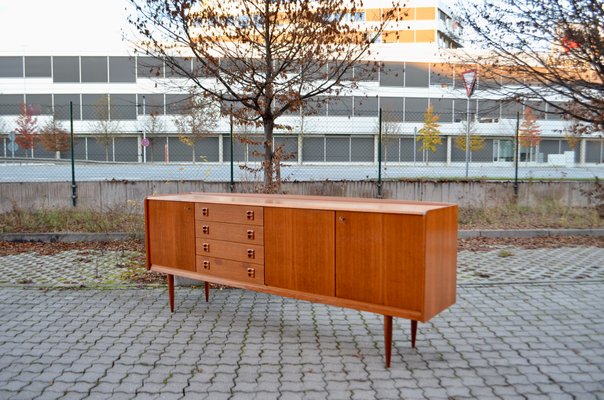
(396, 258)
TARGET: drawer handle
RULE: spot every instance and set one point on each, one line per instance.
(205, 229)
(250, 234)
(251, 272)
(251, 253)
(206, 247)
(206, 265)
(205, 212)
(250, 215)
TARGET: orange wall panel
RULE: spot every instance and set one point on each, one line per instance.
(407, 36)
(390, 36)
(422, 13)
(425, 36)
(406, 14)
(373, 14)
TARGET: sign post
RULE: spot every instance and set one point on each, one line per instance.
(145, 142)
(12, 145)
(469, 80)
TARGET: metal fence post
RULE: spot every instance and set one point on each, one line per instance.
(517, 155)
(232, 185)
(379, 186)
(74, 186)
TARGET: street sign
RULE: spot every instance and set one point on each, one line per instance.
(469, 80)
(11, 136)
(145, 142)
(12, 146)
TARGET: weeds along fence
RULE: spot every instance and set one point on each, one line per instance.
(121, 140)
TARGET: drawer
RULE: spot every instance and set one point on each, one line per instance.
(252, 234)
(234, 214)
(229, 269)
(229, 250)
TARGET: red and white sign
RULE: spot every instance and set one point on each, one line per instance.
(469, 80)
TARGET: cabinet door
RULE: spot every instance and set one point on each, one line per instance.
(171, 230)
(380, 259)
(299, 250)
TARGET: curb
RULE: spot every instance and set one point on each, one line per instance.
(529, 233)
(68, 237)
(119, 236)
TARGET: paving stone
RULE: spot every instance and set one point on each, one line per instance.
(498, 341)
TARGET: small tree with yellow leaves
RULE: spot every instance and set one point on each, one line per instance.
(429, 134)
(476, 140)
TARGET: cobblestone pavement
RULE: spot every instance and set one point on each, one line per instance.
(539, 339)
(66, 269)
(76, 268)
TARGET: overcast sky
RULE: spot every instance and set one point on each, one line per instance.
(62, 25)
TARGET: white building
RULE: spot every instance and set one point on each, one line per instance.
(345, 130)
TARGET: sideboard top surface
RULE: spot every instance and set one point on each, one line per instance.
(308, 202)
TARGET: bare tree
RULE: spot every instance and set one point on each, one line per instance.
(103, 126)
(153, 126)
(391, 130)
(266, 56)
(198, 119)
(546, 51)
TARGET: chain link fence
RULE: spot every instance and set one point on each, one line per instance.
(135, 139)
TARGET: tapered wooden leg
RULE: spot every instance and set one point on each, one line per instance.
(171, 291)
(207, 289)
(388, 338)
(413, 332)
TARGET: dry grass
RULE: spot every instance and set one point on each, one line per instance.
(547, 215)
(66, 220)
(129, 219)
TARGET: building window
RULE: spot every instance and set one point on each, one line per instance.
(182, 69)
(337, 149)
(11, 67)
(153, 104)
(95, 107)
(41, 103)
(392, 74)
(122, 70)
(503, 150)
(61, 106)
(417, 75)
(10, 104)
(122, 106)
(66, 69)
(365, 106)
(340, 106)
(38, 67)
(94, 69)
(177, 103)
(313, 149)
(149, 67)
(415, 108)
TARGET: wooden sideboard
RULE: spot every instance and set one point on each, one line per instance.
(396, 258)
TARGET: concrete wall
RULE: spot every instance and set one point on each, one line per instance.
(106, 195)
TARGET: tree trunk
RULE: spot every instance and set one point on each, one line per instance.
(107, 153)
(193, 151)
(268, 163)
(58, 155)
